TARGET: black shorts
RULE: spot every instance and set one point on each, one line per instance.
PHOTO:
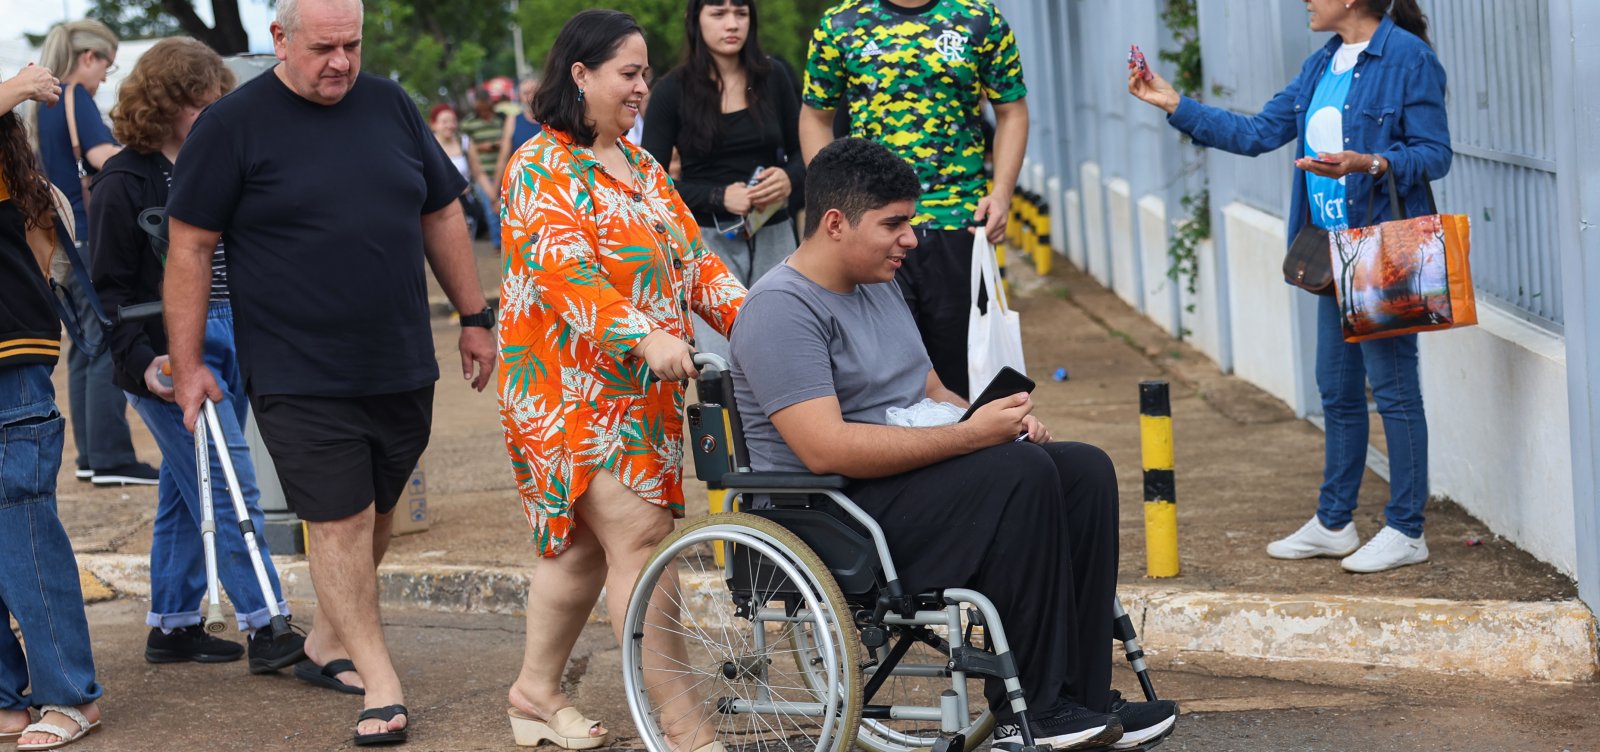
(937, 283)
(337, 455)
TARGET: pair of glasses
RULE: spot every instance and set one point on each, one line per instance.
(111, 67)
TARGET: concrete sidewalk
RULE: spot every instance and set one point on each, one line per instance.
(1247, 473)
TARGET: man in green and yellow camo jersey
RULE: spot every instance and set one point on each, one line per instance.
(913, 75)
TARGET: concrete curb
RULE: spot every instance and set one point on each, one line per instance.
(1536, 641)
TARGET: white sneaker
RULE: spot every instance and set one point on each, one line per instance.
(1388, 549)
(1312, 539)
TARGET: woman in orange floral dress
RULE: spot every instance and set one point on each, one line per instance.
(604, 264)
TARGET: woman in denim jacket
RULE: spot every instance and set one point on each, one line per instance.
(1369, 103)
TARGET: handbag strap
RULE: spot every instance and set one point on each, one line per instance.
(1396, 209)
(80, 274)
(985, 273)
(72, 131)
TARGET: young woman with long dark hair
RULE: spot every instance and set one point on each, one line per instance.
(732, 114)
(1367, 105)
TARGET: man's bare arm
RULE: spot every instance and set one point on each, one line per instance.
(938, 392)
(185, 291)
(818, 434)
(449, 251)
(816, 131)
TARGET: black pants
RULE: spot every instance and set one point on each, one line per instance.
(1033, 528)
(936, 281)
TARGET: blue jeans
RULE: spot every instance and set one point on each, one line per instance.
(1343, 370)
(38, 573)
(177, 557)
(491, 215)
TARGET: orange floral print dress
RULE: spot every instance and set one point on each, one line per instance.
(592, 266)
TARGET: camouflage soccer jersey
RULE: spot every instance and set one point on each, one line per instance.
(914, 82)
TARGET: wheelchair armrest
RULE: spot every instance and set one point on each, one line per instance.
(786, 481)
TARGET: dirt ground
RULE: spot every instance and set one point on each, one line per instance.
(1247, 470)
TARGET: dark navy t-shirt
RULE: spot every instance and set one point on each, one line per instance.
(55, 147)
(321, 210)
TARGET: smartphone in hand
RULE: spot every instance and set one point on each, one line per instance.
(1137, 62)
(1007, 382)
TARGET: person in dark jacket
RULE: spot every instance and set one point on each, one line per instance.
(38, 572)
(156, 106)
(1367, 105)
(733, 115)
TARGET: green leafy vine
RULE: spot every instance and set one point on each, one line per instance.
(1182, 18)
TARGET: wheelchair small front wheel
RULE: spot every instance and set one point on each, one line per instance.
(715, 645)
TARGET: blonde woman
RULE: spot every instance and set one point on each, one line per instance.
(83, 53)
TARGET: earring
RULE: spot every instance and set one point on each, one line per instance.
(580, 96)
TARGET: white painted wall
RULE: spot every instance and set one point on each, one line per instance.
(1160, 291)
(1261, 305)
(1094, 225)
(1498, 431)
(1119, 230)
(1072, 206)
(1205, 323)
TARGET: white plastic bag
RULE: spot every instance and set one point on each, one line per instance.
(925, 414)
(994, 337)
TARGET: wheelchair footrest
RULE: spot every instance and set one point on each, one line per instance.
(950, 743)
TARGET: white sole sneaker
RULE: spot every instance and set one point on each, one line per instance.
(1389, 549)
(1313, 540)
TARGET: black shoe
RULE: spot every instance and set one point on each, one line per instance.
(268, 655)
(1066, 726)
(1143, 722)
(189, 644)
(83, 473)
(136, 474)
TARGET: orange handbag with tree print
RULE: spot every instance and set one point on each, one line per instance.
(1405, 275)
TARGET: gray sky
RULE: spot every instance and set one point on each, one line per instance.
(35, 16)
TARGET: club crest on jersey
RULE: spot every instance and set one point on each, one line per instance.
(952, 45)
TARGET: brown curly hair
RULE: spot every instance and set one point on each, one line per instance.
(174, 74)
(24, 177)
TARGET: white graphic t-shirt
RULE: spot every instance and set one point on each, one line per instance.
(1325, 135)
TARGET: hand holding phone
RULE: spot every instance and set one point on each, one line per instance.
(1007, 382)
(1137, 62)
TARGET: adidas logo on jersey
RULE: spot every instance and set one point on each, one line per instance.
(871, 49)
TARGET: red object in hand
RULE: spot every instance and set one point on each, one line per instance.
(1137, 62)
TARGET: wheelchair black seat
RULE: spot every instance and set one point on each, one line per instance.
(848, 553)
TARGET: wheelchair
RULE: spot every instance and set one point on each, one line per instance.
(791, 629)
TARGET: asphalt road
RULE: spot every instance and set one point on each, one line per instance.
(457, 667)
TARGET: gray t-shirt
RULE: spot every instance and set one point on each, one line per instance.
(795, 341)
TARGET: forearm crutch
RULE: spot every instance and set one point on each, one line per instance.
(1122, 629)
(208, 425)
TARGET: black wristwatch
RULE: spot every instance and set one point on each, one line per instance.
(483, 319)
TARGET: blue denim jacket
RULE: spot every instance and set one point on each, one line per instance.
(1396, 110)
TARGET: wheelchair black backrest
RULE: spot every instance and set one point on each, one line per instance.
(717, 445)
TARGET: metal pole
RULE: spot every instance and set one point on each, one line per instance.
(521, 53)
(1160, 486)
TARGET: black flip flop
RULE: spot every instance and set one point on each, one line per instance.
(326, 676)
(386, 737)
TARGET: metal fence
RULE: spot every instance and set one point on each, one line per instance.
(1497, 55)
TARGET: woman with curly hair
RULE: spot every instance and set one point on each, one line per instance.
(156, 106)
(38, 572)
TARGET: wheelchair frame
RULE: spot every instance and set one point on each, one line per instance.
(720, 460)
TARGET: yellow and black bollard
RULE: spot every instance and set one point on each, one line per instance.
(1041, 248)
(1160, 486)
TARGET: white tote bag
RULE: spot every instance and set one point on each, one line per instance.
(994, 337)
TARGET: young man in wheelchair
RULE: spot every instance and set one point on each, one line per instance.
(825, 345)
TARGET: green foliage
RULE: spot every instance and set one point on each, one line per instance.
(1183, 20)
(1189, 233)
(135, 20)
(786, 26)
(434, 48)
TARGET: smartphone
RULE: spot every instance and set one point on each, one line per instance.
(1320, 160)
(1137, 62)
(1007, 382)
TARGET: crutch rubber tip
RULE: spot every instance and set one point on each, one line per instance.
(280, 629)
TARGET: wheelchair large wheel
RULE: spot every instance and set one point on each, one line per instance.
(917, 681)
(721, 641)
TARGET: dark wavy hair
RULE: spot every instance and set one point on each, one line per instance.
(702, 82)
(176, 73)
(855, 176)
(592, 38)
(25, 179)
(1406, 14)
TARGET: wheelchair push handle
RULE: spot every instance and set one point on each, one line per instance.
(708, 363)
